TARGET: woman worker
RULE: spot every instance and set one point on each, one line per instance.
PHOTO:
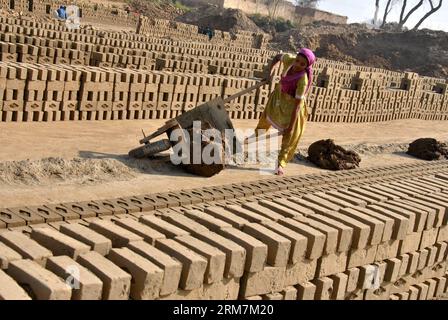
(286, 108)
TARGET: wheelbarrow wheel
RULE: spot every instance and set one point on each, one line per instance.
(150, 149)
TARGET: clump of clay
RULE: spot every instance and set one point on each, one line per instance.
(327, 155)
(428, 149)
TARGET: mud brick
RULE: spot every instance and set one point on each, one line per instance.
(441, 285)
(331, 242)
(285, 211)
(7, 255)
(227, 216)
(278, 246)
(358, 257)
(388, 222)
(410, 243)
(215, 257)
(356, 195)
(429, 238)
(184, 222)
(393, 270)
(438, 199)
(207, 220)
(59, 243)
(443, 234)
(86, 286)
(119, 236)
(339, 286)
(262, 210)
(316, 239)
(116, 282)
(441, 251)
(376, 225)
(324, 288)
(28, 215)
(194, 265)
(256, 251)
(403, 222)
(423, 259)
(298, 241)
(148, 234)
(146, 277)
(43, 284)
(429, 213)
(26, 247)
(270, 279)
(352, 279)
(413, 293)
(119, 203)
(10, 290)
(387, 249)
(164, 227)
(427, 204)
(59, 209)
(84, 210)
(361, 231)
(249, 215)
(422, 291)
(306, 291)
(11, 219)
(111, 207)
(96, 241)
(171, 267)
(162, 200)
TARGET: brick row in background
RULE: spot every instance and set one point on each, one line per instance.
(49, 92)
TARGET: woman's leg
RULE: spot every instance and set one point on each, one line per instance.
(290, 140)
(263, 125)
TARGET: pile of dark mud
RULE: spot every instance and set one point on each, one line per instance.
(327, 155)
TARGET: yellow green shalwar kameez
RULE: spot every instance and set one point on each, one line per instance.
(279, 110)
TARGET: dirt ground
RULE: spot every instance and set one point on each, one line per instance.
(75, 161)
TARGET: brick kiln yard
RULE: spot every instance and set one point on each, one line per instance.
(143, 229)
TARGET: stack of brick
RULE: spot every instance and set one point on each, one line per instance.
(359, 241)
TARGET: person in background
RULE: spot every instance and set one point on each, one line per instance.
(62, 13)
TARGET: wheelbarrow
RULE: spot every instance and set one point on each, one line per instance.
(212, 115)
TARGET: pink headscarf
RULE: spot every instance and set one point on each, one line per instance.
(309, 55)
(289, 82)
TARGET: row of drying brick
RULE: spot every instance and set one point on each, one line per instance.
(39, 88)
(271, 241)
(166, 28)
(201, 198)
(14, 26)
(237, 193)
(250, 53)
(381, 77)
(35, 92)
(414, 276)
(21, 48)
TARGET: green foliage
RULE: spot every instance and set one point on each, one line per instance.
(268, 25)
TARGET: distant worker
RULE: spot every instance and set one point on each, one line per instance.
(62, 13)
(286, 107)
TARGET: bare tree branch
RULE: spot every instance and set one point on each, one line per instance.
(429, 13)
(386, 12)
(402, 21)
(377, 9)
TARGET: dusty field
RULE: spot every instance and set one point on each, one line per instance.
(55, 162)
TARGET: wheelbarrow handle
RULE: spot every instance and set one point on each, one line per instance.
(241, 93)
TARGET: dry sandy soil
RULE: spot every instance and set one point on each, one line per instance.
(75, 161)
